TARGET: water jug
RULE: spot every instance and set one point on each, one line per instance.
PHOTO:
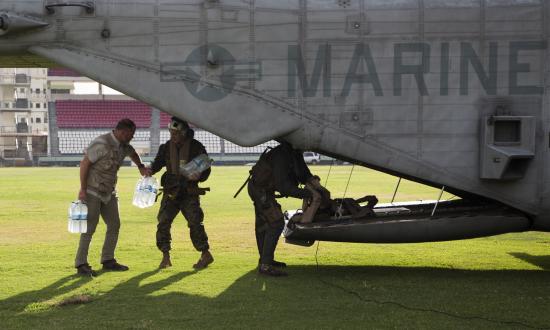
(78, 217)
(146, 192)
(196, 166)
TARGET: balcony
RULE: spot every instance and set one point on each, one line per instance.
(8, 129)
(15, 80)
(21, 104)
(23, 130)
(22, 79)
(7, 80)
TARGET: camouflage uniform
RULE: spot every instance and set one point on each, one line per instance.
(180, 195)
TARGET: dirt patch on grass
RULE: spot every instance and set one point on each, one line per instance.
(75, 300)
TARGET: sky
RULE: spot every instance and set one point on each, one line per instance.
(87, 88)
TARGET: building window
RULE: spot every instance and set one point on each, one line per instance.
(45, 106)
(38, 105)
(30, 105)
(21, 79)
(37, 91)
(44, 91)
(46, 119)
(21, 90)
(38, 121)
(6, 105)
(31, 120)
(22, 104)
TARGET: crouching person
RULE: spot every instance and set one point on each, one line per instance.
(282, 170)
(181, 194)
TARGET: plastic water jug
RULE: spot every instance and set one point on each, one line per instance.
(78, 217)
(146, 192)
(196, 166)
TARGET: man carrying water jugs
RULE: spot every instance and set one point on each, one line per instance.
(98, 176)
(181, 191)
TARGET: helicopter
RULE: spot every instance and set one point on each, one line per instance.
(451, 94)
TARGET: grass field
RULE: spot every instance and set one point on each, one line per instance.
(496, 282)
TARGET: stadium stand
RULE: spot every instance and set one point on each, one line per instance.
(75, 141)
(164, 119)
(211, 142)
(80, 121)
(232, 148)
(215, 144)
(83, 114)
(62, 72)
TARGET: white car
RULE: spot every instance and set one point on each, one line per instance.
(312, 157)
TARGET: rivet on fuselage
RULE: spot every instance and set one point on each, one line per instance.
(106, 33)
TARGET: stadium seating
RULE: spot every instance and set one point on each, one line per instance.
(164, 120)
(232, 148)
(62, 72)
(80, 121)
(81, 114)
(75, 141)
(211, 142)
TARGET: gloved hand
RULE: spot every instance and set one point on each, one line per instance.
(315, 181)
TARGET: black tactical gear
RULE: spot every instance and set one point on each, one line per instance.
(281, 169)
(180, 195)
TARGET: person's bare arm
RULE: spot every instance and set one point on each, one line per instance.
(84, 169)
(144, 171)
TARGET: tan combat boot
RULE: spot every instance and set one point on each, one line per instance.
(165, 263)
(205, 260)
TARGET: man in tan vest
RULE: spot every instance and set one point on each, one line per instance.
(98, 176)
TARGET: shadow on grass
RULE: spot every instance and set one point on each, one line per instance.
(542, 262)
(327, 297)
(17, 304)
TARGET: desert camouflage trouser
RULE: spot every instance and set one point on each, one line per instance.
(109, 213)
(190, 207)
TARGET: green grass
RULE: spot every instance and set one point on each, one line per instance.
(495, 282)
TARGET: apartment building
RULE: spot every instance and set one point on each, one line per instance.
(24, 98)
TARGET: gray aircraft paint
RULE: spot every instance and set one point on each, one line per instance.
(404, 86)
